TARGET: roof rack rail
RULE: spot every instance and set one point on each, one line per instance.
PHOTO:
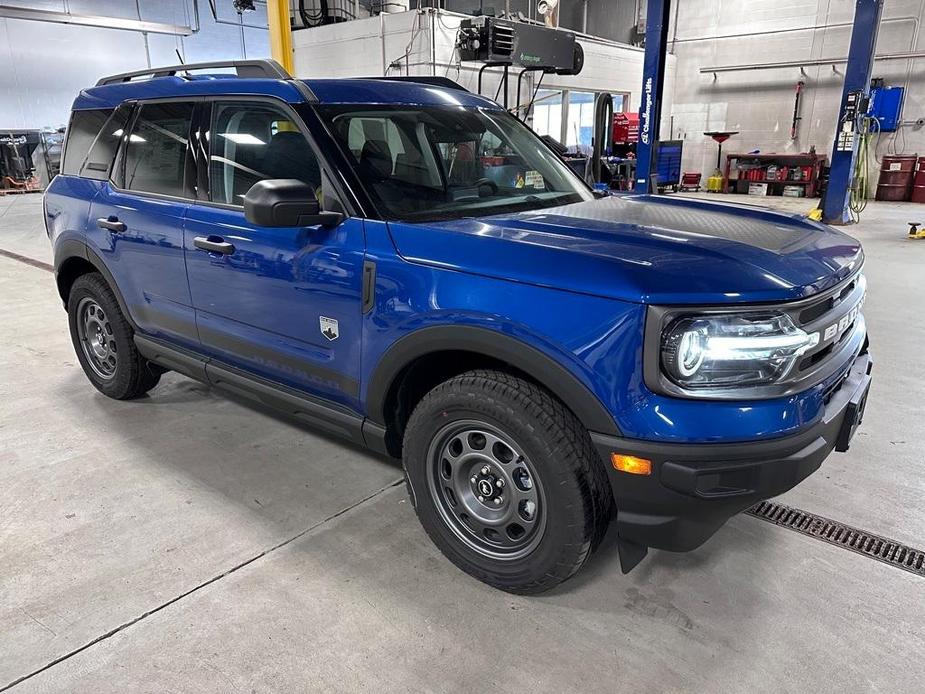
(253, 69)
(435, 81)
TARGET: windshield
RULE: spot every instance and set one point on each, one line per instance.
(444, 162)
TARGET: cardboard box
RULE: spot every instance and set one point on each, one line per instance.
(757, 188)
(793, 191)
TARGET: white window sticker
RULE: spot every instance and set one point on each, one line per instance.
(533, 179)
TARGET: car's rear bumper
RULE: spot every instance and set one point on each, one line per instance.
(694, 488)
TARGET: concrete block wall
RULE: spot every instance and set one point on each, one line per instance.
(759, 104)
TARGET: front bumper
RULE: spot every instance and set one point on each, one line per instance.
(694, 488)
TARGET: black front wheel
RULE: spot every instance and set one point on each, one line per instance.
(505, 481)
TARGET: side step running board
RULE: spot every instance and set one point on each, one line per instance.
(322, 414)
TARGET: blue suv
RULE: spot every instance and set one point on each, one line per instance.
(405, 264)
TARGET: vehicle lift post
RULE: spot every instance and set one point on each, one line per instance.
(854, 94)
(653, 83)
(280, 28)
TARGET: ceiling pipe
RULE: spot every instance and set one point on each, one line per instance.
(806, 63)
(789, 30)
(33, 15)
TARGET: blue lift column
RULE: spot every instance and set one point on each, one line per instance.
(653, 83)
(855, 93)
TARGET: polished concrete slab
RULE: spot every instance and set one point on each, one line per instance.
(108, 509)
(364, 603)
(185, 542)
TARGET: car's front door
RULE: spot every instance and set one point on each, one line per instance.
(284, 303)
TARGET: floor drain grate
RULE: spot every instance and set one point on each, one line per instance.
(874, 546)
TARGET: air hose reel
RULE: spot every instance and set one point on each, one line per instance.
(603, 133)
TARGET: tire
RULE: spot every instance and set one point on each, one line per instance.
(538, 450)
(103, 341)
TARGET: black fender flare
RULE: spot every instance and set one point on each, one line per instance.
(539, 366)
(72, 248)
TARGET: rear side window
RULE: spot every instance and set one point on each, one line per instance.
(157, 157)
(84, 127)
(99, 161)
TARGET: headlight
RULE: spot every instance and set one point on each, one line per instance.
(732, 350)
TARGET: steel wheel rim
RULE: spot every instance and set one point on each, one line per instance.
(465, 461)
(97, 341)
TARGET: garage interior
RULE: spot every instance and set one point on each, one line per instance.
(189, 541)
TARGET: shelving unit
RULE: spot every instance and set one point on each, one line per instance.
(733, 182)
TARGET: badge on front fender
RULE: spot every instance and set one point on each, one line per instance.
(329, 327)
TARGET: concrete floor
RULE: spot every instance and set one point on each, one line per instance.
(185, 542)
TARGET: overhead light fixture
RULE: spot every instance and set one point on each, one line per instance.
(242, 138)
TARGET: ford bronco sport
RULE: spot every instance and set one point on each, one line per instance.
(403, 263)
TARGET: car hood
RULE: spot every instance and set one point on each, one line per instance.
(642, 248)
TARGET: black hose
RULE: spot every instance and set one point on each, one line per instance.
(603, 132)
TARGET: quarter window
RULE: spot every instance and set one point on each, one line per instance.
(254, 141)
(84, 127)
(99, 161)
(157, 159)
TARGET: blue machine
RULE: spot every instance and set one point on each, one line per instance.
(350, 304)
(886, 106)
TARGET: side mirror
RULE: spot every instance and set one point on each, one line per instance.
(286, 202)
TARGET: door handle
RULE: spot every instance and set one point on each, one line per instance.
(112, 223)
(213, 244)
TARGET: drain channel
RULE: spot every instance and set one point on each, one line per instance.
(874, 546)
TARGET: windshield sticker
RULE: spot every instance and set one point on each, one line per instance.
(534, 179)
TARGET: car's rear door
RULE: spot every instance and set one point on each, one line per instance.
(283, 303)
(136, 220)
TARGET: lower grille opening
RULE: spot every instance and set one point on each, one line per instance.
(868, 544)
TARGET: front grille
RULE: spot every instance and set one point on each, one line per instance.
(820, 307)
(837, 309)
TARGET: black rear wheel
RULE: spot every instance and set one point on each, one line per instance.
(104, 341)
(505, 481)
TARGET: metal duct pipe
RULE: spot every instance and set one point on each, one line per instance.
(28, 14)
(806, 63)
(789, 30)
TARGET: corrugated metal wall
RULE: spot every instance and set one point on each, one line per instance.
(45, 64)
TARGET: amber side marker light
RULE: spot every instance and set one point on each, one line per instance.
(631, 464)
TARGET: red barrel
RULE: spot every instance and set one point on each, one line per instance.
(895, 182)
(918, 184)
